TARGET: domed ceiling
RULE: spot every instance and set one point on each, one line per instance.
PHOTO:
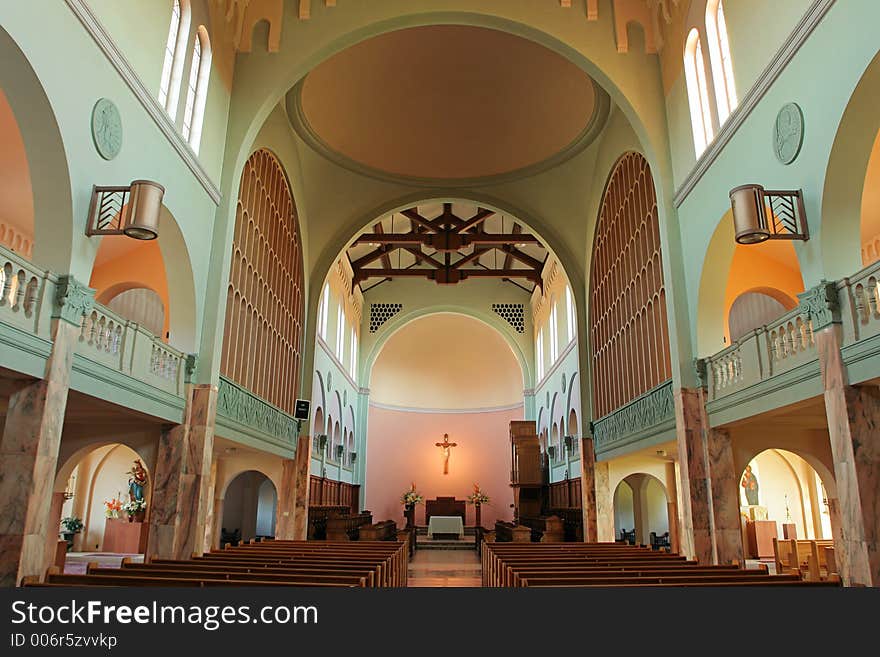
(447, 102)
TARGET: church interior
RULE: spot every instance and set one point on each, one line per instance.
(440, 293)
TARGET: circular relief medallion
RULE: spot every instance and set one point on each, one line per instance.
(788, 133)
(107, 128)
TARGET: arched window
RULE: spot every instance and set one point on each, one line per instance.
(539, 355)
(354, 353)
(197, 90)
(698, 92)
(340, 334)
(175, 47)
(570, 314)
(719, 55)
(628, 329)
(324, 312)
(554, 332)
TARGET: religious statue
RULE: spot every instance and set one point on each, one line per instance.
(137, 481)
(445, 447)
(750, 484)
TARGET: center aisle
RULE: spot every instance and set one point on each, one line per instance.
(439, 568)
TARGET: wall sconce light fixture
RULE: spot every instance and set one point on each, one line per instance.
(761, 214)
(132, 211)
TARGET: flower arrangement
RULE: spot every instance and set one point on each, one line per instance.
(134, 507)
(112, 507)
(72, 525)
(478, 496)
(411, 496)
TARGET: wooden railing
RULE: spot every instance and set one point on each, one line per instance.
(327, 492)
(566, 494)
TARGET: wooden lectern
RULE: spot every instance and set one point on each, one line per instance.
(526, 476)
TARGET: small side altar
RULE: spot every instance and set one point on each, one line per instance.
(123, 536)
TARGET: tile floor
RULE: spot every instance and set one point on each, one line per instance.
(439, 568)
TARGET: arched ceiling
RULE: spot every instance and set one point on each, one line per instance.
(446, 102)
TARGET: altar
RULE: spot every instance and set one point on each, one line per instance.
(446, 525)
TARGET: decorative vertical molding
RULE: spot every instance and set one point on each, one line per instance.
(750, 100)
(73, 300)
(821, 305)
(111, 51)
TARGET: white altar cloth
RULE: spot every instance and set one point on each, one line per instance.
(446, 525)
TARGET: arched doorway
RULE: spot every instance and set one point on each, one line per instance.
(249, 507)
(94, 487)
(782, 487)
(641, 510)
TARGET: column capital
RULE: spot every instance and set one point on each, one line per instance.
(73, 300)
(821, 305)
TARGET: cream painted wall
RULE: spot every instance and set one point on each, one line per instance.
(401, 450)
(624, 512)
(101, 476)
(871, 208)
(446, 361)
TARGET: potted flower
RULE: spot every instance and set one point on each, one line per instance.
(477, 498)
(70, 526)
(112, 507)
(409, 500)
(136, 510)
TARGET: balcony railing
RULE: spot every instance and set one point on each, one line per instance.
(27, 295)
(859, 297)
(127, 347)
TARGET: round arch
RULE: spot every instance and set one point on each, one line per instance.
(845, 176)
(400, 320)
(46, 157)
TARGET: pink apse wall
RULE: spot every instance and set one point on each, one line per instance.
(401, 450)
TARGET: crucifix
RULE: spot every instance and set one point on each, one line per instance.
(445, 446)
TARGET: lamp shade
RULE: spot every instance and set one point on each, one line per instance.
(144, 208)
(749, 215)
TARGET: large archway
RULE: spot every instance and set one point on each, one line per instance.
(641, 510)
(471, 395)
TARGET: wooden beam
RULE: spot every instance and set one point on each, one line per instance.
(370, 257)
(432, 273)
(524, 258)
(421, 257)
(478, 218)
(415, 217)
(408, 239)
(516, 230)
(468, 258)
(386, 260)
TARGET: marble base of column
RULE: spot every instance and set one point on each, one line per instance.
(54, 526)
(181, 488)
(284, 520)
(588, 490)
(696, 534)
(28, 460)
(301, 496)
(672, 506)
(727, 526)
(604, 503)
(853, 414)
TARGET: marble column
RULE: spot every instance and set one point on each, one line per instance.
(672, 506)
(181, 492)
(726, 525)
(30, 442)
(695, 536)
(853, 414)
(53, 526)
(588, 489)
(301, 494)
(211, 519)
(285, 514)
(604, 502)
